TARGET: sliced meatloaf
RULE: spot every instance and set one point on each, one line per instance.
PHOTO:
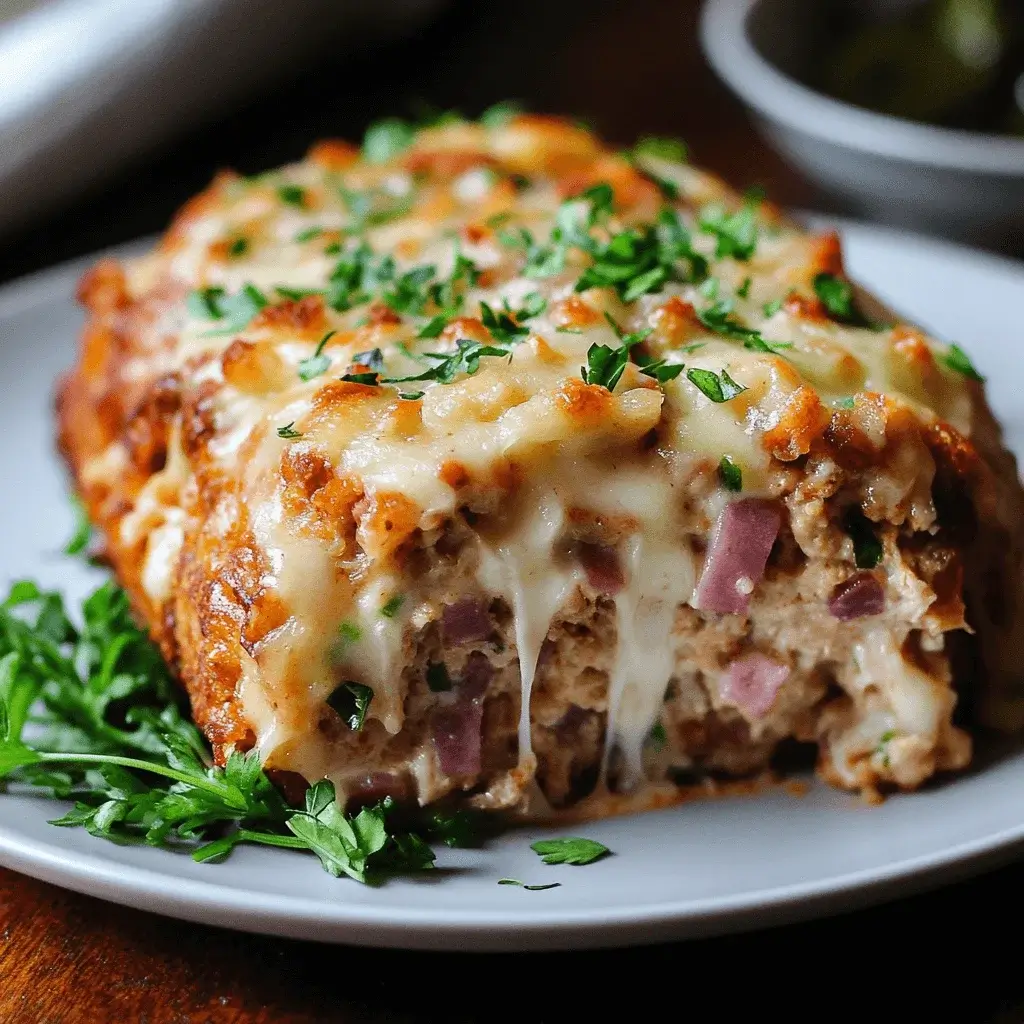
(488, 462)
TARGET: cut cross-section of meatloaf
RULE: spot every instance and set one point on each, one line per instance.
(494, 464)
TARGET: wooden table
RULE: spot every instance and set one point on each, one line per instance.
(948, 956)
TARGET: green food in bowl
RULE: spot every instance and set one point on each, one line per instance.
(954, 63)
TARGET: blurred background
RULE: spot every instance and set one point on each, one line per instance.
(114, 112)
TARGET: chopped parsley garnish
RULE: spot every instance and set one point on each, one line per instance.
(288, 432)
(663, 149)
(238, 247)
(293, 195)
(836, 296)
(410, 396)
(466, 359)
(605, 365)
(883, 745)
(507, 326)
(204, 303)
(730, 474)
(660, 369)
(459, 828)
(375, 206)
(308, 234)
(867, 548)
(384, 140)
(773, 307)
(108, 733)
(957, 359)
(575, 219)
(371, 378)
(500, 114)
(317, 364)
(569, 851)
(735, 233)
(236, 310)
(351, 701)
(349, 634)
(720, 319)
(392, 606)
(743, 291)
(296, 294)
(718, 387)
(83, 529)
(531, 888)
(438, 679)
(640, 260)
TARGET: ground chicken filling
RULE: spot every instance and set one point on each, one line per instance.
(489, 464)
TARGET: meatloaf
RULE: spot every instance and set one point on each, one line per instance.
(488, 463)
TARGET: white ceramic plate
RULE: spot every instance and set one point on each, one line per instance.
(704, 867)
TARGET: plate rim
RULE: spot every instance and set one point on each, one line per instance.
(535, 928)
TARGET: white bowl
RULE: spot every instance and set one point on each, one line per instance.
(957, 183)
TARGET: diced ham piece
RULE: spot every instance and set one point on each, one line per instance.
(476, 676)
(602, 567)
(465, 621)
(859, 596)
(456, 729)
(372, 788)
(752, 683)
(740, 545)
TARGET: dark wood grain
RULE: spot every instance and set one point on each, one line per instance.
(629, 68)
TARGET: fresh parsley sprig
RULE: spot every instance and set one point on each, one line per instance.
(89, 713)
(720, 319)
(573, 850)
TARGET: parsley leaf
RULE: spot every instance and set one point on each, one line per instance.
(718, 387)
(374, 206)
(773, 307)
(237, 310)
(663, 149)
(83, 529)
(238, 247)
(730, 474)
(867, 548)
(507, 326)
(736, 233)
(317, 364)
(288, 432)
(500, 114)
(293, 195)
(392, 606)
(351, 701)
(957, 359)
(108, 733)
(605, 365)
(569, 851)
(530, 888)
(836, 296)
(204, 304)
(720, 319)
(465, 359)
(660, 369)
(384, 140)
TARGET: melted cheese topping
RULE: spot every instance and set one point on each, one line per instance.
(642, 457)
